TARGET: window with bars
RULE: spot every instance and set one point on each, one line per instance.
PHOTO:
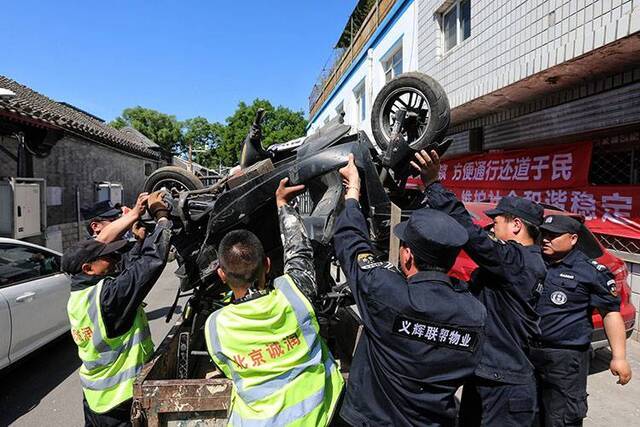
(616, 160)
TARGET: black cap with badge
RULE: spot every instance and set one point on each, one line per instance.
(561, 224)
(102, 210)
(524, 209)
(87, 251)
(432, 236)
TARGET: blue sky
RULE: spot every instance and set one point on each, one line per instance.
(185, 58)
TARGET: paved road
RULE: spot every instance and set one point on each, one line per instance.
(44, 389)
(611, 404)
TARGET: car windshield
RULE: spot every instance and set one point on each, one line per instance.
(588, 243)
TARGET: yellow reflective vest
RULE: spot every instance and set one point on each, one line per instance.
(109, 365)
(283, 372)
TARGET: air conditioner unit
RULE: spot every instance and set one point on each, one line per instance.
(111, 191)
(23, 209)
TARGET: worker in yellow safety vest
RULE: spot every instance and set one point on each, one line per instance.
(268, 339)
(108, 323)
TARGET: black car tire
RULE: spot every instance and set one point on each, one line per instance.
(438, 103)
(172, 177)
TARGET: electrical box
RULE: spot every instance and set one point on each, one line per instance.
(22, 207)
(111, 191)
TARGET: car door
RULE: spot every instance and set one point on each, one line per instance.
(5, 332)
(37, 293)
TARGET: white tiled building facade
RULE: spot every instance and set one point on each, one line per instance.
(510, 40)
(514, 39)
(517, 73)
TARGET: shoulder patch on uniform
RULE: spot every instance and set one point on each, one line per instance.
(436, 334)
(597, 265)
(611, 285)
(367, 261)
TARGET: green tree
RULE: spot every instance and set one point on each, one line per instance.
(280, 125)
(222, 142)
(163, 129)
(205, 138)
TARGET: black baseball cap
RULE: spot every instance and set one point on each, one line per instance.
(87, 251)
(561, 224)
(102, 210)
(432, 236)
(524, 209)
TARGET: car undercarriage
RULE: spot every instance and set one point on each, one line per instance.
(411, 113)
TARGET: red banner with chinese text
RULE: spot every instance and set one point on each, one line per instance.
(565, 166)
(553, 175)
(611, 210)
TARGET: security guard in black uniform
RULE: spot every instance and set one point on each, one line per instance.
(108, 222)
(423, 332)
(574, 286)
(508, 282)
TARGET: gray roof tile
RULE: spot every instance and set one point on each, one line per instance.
(35, 106)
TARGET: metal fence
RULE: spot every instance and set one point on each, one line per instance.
(616, 161)
(621, 244)
(327, 70)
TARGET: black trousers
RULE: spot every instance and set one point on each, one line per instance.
(120, 416)
(490, 403)
(562, 385)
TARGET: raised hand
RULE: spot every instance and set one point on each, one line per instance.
(427, 165)
(351, 178)
(284, 194)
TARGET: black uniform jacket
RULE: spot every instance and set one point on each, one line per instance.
(122, 295)
(573, 287)
(508, 282)
(422, 336)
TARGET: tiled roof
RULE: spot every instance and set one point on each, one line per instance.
(140, 137)
(37, 107)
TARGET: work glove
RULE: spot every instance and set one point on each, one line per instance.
(158, 208)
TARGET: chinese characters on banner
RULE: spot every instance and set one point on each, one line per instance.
(536, 168)
(553, 175)
(607, 209)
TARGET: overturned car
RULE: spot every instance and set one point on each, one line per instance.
(410, 113)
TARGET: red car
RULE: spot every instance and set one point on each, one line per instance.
(588, 244)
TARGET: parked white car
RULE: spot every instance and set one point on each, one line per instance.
(33, 298)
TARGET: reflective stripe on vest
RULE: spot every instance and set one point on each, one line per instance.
(109, 365)
(108, 355)
(315, 356)
(285, 416)
(303, 317)
(105, 383)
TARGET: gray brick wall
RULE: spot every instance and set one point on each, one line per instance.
(511, 40)
(76, 163)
